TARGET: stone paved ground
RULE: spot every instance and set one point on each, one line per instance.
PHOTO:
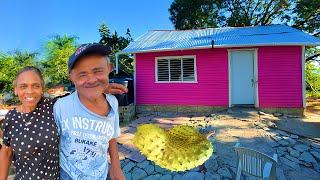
(298, 158)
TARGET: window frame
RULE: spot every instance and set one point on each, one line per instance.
(176, 57)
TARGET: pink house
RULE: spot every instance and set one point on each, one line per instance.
(210, 69)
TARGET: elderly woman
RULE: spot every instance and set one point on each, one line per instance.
(30, 132)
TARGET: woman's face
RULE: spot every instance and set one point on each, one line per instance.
(28, 87)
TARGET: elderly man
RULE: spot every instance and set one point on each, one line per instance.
(88, 120)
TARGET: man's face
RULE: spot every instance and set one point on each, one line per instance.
(90, 76)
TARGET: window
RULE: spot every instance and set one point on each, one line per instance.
(175, 69)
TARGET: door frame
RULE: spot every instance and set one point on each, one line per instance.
(255, 74)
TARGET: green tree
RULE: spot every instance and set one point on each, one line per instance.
(256, 12)
(116, 43)
(190, 14)
(57, 52)
(313, 79)
(10, 64)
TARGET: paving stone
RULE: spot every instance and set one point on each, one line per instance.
(177, 177)
(128, 176)
(138, 173)
(307, 157)
(149, 169)
(166, 177)
(136, 156)
(316, 155)
(280, 174)
(293, 136)
(283, 133)
(289, 163)
(128, 166)
(224, 172)
(292, 158)
(301, 147)
(273, 144)
(159, 169)
(293, 153)
(211, 165)
(317, 146)
(283, 142)
(212, 176)
(276, 138)
(193, 176)
(281, 151)
(143, 164)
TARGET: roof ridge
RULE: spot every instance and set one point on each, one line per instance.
(219, 28)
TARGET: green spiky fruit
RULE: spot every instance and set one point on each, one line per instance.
(179, 149)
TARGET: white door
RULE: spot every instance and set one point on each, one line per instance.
(242, 77)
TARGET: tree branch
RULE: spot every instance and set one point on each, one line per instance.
(311, 58)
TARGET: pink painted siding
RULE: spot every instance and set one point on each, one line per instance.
(211, 88)
(279, 73)
(280, 78)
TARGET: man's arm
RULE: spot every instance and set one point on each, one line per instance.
(115, 169)
(5, 159)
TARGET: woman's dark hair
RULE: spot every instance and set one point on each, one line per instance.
(29, 68)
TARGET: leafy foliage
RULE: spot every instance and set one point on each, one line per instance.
(116, 43)
(55, 65)
(10, 64)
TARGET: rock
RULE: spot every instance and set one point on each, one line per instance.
(224, 172)
(276, 138)
(149, 169)
(195, 169)
(262, 113)
(280, 174)
(193, 176)
(284, 142)
(289, 163)
(143, 164)
(211, 165)
(281, 151)
(307, 157)
(128, 166)
(273, 144)
(138, 173)
(166, 177)
(290, 140)
(293, 153)
(316, 155)
(316, 146)
(153, 177)
(293, 136)
(277, 114)
(283, 133)
(301, 147)
(128, 176)
(292, 158)
(159, 169)
(210, 176)
(177, 177)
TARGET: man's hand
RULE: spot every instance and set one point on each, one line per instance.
(115, 88)
(116, 174)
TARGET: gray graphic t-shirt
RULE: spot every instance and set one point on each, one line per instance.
(85, 136)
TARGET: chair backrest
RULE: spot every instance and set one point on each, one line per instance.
(252, 162)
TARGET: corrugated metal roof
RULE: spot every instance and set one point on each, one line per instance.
(160, 40)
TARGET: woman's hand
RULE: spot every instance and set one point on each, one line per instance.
(115, 88)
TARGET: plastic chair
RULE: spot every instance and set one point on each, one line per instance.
(255, 164)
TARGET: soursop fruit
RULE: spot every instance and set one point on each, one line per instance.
(179, 149)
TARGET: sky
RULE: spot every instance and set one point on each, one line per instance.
(29, 24)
